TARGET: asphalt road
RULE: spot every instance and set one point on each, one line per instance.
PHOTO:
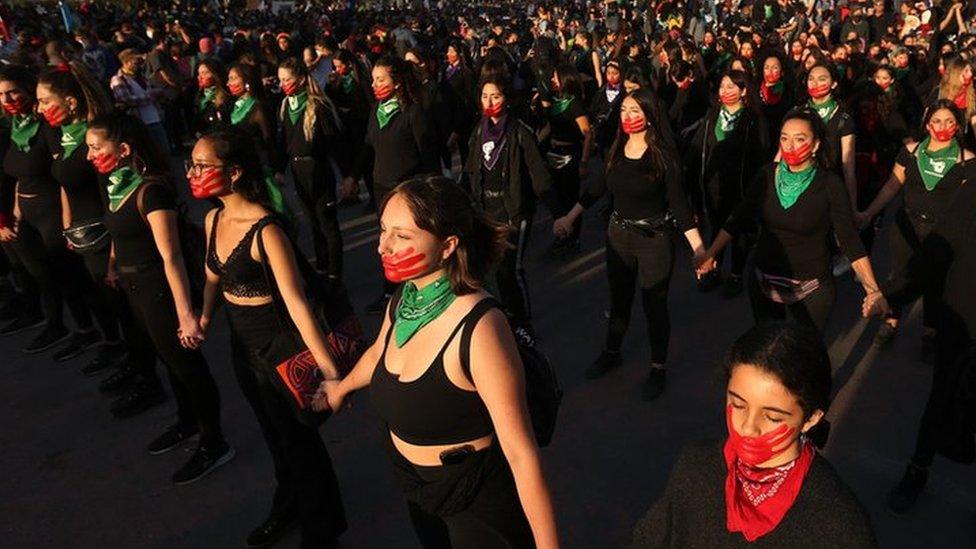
(75, 477)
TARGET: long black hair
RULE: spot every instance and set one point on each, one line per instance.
(655, 151)
(235, 148)
(824, 156)
(147, 157)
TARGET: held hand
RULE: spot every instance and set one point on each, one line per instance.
(204, 324)
(706, 266)
(189, 332)
(875, 304)
(7, 234)
(320, 400)
(336, 396)
(112, 278)
(562, 226)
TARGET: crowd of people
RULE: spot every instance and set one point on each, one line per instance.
(779, 129)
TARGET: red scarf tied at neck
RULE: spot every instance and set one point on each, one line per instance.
(757, 499)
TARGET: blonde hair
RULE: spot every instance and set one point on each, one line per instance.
(952, 82)
(318, 102)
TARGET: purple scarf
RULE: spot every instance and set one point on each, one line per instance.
(492, 140)
(451, 70)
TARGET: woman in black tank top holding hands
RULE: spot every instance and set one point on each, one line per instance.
(459, 428)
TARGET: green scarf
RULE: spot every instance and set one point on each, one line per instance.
(790, 185)
(560, 104)
(72, 136)
(296, 106)
(206, 98)
(934, 165)
(826, 109)
(23, 129)
(900, 74)
(386, 110)
(347, 83)
(242, 107)
(417, 308)
(768, 12)
(121, 183)
(275, 196)
(726, 122)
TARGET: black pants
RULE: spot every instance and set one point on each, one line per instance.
(315, 186)
(635, 258)
(112, 310)
(61, 276)
(812, 311)
(154, 333)
(510, 277)
(721, 202)
(28, 292)
(566, 182)
(952, 357)
(906, 238)
(306, 482)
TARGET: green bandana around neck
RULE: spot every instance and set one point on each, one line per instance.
(121, 183)
(206, 98)
(275, 196)
(23, 129)
(560, 105)
(417, 308)
(242, 107)
(296, 106)
(72, 136)
(726, 122)
(826, 110)
(386, 110)
(934, 165)
(347, 83)
(790, 185)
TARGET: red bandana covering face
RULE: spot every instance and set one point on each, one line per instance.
(757, 499)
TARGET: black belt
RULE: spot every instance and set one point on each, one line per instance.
(648, 226)
(136, 269)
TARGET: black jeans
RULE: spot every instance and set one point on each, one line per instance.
(566, 181)
(306, 482)
(315, 186)
(510, 277)
(721, 202)
(812, 310)
(28, 294)
(906, 238)
(634, 258)
(154, 333)
(951, 358)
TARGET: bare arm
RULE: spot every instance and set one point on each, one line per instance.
(65, 210)
(212, 283)
(362, 372)
(162, 223)
(847, 162)
(890, 189)
(496, 370)
(597, 72)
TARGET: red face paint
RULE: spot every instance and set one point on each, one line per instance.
(757, 450)
(684, 84)
(613, 80)
(884, 86)
(819, 92)
(403, 265)
(236, 89)
(773, 76)
(204, 82)
(105, 163)
(797, 156)
(382, 93)
(55, 115)
(17, 106)
(945, 134)
(343, 70)
(291, 88)
(494, 111)
(211, 183)
(634, 124)
(729, 98)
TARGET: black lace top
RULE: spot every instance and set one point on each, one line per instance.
(240, 275)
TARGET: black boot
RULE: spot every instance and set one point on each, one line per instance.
(143, 396)
(608, 360)
(654, 385)
(903, 497)
(275, 527)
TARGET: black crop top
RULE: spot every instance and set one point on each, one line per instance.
(131, 234)
(240, 275)
(431, 410)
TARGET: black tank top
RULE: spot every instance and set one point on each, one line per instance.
(431, 410)
(240, 275)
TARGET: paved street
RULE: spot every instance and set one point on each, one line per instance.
(76, 477)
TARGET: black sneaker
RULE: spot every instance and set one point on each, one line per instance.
(203, 462)
(143, 396)
(903, 497)
(378, 307)
(107, 356)
(23, 323)
(119, 380)
(271, 531)
(886, 334)
(654, 385)
(48, 338)
(928, 347)
(171, 438)
(733, 287)
(78, 343)
(709, 281)
(608, 360)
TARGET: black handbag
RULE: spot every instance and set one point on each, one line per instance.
(88, 236)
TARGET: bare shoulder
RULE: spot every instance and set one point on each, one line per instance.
(967, 154)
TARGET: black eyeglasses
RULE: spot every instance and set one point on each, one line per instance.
(196, 169)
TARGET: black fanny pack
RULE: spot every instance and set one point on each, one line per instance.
(88, 236)
(649, 226)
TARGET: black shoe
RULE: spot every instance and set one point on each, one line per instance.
(608, 360)
(107, 356)
(886, 334)
(23, 323)
(171, 438)
(78, 343)
(903, 497)
(203, 462)
(48, 338)
(378, 307)
(709, 281)
(928, 347)
(733, 287)
(143, 396)
(119, 380)
(563, 247)
(654, 385)
(274, 528)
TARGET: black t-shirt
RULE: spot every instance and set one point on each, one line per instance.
(840, 125)
(78, 178)
(920, 200)
(32, 169)
(131, 234)
(563, 125)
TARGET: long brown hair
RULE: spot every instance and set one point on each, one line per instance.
(318, 102)
(77, 82)
(952, 82)
(645, 100)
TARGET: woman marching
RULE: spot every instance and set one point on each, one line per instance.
(351, 95)
(147, 263)
(249, 110)
(460, 438)
(644, 179)
(930, 173)
(309, 137)
(798, 201)
(250, 265)
(213, 102)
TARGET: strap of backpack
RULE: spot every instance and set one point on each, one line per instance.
(470, 321)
